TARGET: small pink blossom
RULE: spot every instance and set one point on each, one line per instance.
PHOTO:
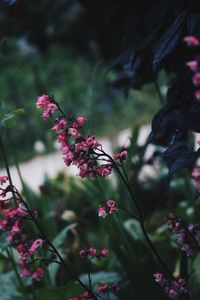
(105, 287)
(197, 95)
(192, 65)
(196, 79)
(171, 287)
(92, 251)
(104, 252)
(46, 104)
(73, 131)
(123, 155)
(38, 274)
(59, 125)
(81, 120)
(112, 206)
(191, 41)
(108, 208)
(104, 170)
(84, 296)
(25, 272)
(102, 212)
(3, 179)
(35, 245)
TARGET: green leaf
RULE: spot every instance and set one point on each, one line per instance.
(64, 293)
(57, 242)
(8, 120)
(134, 229)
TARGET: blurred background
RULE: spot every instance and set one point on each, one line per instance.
(54, 48)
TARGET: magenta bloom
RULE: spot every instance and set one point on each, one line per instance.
(35, 245)
(192, 65)
(123, 155)
(171, 288)
(191, 41)
(47, 105)
(3, 179)
(108, 208)
(38, 274)
(196, 79)
(197, 95)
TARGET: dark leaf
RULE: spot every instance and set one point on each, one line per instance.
(10, 2)
(169, 39)
(193, 24)
(179, 156)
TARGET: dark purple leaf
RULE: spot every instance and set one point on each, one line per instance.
(10, 2)
(169, 39)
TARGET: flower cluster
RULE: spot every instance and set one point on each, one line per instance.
(193, 65)
(47, 105)
(102, 288)
(196, 176)
(123, 155)
(76, 150)
(92, 252)
(12, 226)
(84, 296)
(106, 287)
(108, 208)
(171, 287)
(186, 234)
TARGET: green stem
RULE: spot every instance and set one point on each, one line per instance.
(10, 256)
(140, 219)
(44, 236)
(7, 166)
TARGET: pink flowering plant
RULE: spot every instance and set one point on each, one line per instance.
(92, 161)
(161, 266)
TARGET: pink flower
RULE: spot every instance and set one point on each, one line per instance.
(84, 296)
(159, 278)
(43, 101)
(59, 125)
(191, 41)
(123, 155)
(172, 288)
(35, 245)
(82, 252)
(196, 79)
(109, 207)
(192, 65)
(81, 120)
(92, 251)
(38, 274)
(73, 131)
(197, 95)
(104, 170)
(104, 252)
(196, 173)
(102, 212)
(112, 206)
(25, 272)
(46, 104)
(105, 287)
(3, 179)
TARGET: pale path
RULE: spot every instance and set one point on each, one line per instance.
(34, 171)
